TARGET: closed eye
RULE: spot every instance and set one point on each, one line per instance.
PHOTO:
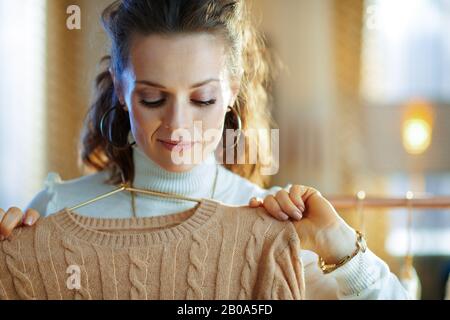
(152, 103)
(160, 102)
(204, 103)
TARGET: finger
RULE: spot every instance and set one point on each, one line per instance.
(306, 191)
(255, 202)
(272, 206)
(12, 218)
(295, 193)
(287, 205)
(2, 214)
(30, 217)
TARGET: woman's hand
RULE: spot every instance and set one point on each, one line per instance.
(318, 225)
(13, 218)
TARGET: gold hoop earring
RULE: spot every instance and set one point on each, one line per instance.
(107, 134)
(236, 122)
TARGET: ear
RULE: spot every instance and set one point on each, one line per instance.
(117, 87)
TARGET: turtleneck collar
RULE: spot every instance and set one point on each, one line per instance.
(196, 182)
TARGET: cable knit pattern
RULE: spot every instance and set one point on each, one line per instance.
(260, 227)
(46, 246)
(211, 251)
(18, 270)
(227, 231)
(288, 272)
(74, 257)
(138, 274)
(197, 255)
(3, 294)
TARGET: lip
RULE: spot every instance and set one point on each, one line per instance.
(180, 145)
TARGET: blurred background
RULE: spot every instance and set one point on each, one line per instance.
(363, 105)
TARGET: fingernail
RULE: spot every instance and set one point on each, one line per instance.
(284, 216)
(301, 207)
(297, 214)
(29, 221)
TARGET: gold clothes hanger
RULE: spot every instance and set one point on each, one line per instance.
(127, 187)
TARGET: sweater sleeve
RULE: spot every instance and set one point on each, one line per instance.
(365, 277)
(282, 275)
(6, 284)
(368, 277)
(15, 282)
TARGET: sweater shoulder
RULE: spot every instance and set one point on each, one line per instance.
(282, 231)
(20, 269)
(26, 235)
(258, 220)
(20, 272)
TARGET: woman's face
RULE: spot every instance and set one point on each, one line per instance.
(175, 88)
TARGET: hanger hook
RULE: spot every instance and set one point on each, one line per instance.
(122, 176)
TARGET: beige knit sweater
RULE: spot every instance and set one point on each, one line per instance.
(212, 251)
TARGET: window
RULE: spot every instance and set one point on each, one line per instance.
(405, 56)
(22, 94)
(406, 50)
(430, 227)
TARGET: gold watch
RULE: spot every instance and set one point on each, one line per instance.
(361, 245)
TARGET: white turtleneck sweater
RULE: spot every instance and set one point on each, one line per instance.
(364, 277)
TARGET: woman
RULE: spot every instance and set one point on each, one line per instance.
(172, 64)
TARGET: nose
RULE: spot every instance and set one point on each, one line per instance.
(177, 116)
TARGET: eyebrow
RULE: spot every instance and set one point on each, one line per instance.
(157, 85)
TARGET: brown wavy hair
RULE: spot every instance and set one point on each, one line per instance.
(247, 57)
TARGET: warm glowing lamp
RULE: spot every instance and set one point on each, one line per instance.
(417, 126)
